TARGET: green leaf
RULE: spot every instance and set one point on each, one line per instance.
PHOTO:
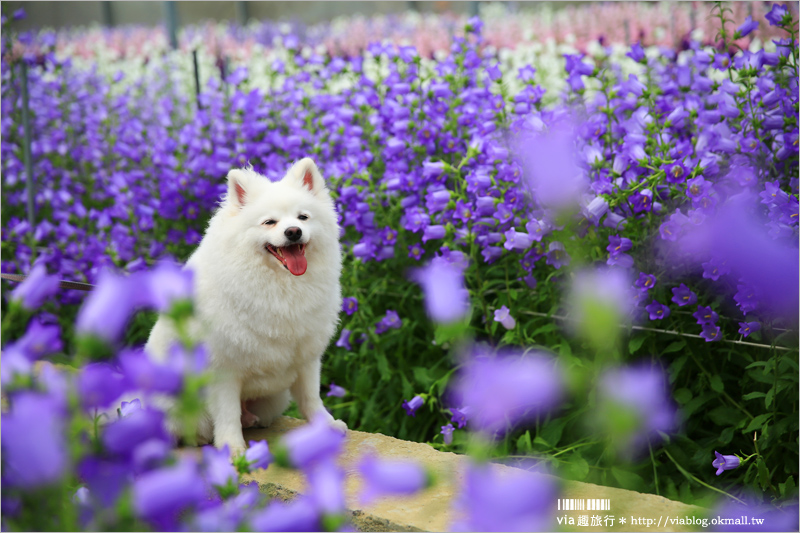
(627, 479)
(753, 395)
(635, 343)
(421, 376)
(716, 383)
(756, 423)
(682, 396)
(524, 443)
(788, 489)
(763, 474)
(769, 397)
(675, 346)
(578, 467)
(726, 436)
(383, 366)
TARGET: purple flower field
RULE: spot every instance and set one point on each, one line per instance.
(601, 277)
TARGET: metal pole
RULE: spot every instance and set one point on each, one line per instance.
(108, 14)
(241, 12)
(196, 79)
(171, 12)
(26, 147)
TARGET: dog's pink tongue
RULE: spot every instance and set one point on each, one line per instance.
(295, 260)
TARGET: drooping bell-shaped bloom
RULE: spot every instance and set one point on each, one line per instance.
(503, 315)
(390, 478)
(506, 389)
(35, 451)
(258, 454)
(512, 500)
(446, 297)
(165, 492)
(725, 462)
(312, 443)
(36, 288)
(336, 390)
(413, 404)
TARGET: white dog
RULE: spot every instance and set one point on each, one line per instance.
(267, 301)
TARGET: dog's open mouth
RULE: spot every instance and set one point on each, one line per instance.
(293, 257)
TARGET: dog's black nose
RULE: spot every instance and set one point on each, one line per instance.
(293, 234)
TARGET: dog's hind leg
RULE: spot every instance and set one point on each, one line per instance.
(268, 408)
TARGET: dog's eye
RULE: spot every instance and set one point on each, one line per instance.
(269, 222)
(302, 217)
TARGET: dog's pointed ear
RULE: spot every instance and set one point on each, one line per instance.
(305, 174)
(237, 187)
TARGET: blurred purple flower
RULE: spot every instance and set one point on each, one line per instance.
(725, 462)
(645, 281)
(99, 385)
(40, 339)
(124, 435)
(711, 332)
(389, 478)
(349, 305)
(446, 297)
(35, 451)
(106, 478)
(503, 315)
(772, 519)
(705, 315)
(682, 295)
(746, 328)
(300, 514)
(167, 283)
(657, 311)
(768, 265)
(551, 166)
(258, 454)
(336, 390)
(413, 404)
(776, 15)
(36, 288)
(326, 482)
(641, 390)
(344, 340)
(447, 433)
(506, 389)
(218, 469)
(745, 28)
(106, 310)
(508, 500)
(163, 493)
(460, 416)
(390, 321)
(557, 255)
(312, 443)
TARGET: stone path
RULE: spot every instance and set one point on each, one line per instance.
(431, 509)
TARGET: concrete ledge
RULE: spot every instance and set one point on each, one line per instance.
(431, 509)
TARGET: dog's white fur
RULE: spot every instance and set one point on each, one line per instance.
(265, 327)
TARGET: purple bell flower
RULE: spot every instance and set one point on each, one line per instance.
(313, 443)
(725, 462)
(390, 478)
(35, 451)
(258, 454)
(349, 305)
(506, 389)
(413, 404)
(336, 390)
(446, 297)
(746, 328)
(36, 288)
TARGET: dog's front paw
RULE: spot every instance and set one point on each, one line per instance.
(339, 425)
(236, 451)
